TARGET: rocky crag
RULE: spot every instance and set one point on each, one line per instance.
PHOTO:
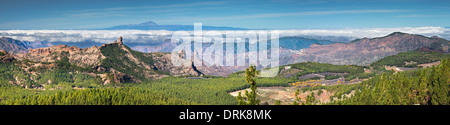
(113, 62)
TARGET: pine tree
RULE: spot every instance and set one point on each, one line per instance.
(250, 77)
(297, 99)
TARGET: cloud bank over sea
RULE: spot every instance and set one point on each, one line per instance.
(158, 36)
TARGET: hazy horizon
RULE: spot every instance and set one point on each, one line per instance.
(266, 14)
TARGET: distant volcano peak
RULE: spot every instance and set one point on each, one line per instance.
(151, 23)
(397, 34)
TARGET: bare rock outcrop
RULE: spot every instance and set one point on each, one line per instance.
(80, 57)
(163, 62)
(6, 57)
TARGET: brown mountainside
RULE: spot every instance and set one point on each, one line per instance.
(12, 45)
(365, 51)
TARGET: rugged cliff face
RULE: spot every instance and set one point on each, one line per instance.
(113, 62)
(86, 57)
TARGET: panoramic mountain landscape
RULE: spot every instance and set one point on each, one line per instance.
(323, 71)
(225, 53)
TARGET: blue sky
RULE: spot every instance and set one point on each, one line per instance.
(253, 14)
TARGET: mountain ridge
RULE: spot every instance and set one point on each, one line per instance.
(365, 50)
(12, 45)
(360, 52)
(113, 62)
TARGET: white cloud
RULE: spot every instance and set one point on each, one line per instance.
(103, 36)
(157, 36)
(368, 32)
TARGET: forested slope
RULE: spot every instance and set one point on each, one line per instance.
(428, 86)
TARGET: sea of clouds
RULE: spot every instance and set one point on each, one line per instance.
(157, 36)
